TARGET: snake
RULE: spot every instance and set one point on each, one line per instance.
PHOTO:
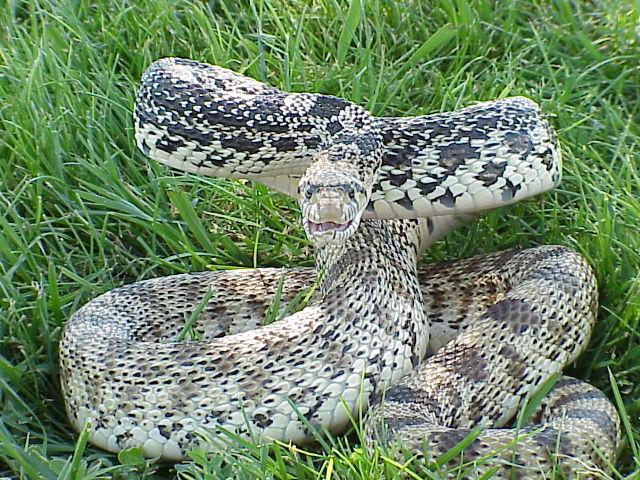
(429, 358)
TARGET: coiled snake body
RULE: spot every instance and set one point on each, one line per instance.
(436, 352)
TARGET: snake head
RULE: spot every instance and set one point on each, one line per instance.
(334, 192)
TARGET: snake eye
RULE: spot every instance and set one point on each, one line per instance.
(347, 188)
(310, 190)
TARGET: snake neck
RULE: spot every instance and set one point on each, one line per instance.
(368, 288)
(396, 242)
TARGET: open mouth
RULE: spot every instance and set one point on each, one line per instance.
(327, 227)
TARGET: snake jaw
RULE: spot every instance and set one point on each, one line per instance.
(323, 233)
(315, 228)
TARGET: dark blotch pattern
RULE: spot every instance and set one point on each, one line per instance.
(516, 315)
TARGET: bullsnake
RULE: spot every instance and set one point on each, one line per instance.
(435, 351)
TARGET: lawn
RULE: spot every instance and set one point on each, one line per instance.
(83, 211)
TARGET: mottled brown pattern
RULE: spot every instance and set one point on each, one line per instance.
(497, 358)
(452, 376)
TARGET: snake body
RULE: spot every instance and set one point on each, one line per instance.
(436, 352)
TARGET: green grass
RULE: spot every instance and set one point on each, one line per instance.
(83, 211)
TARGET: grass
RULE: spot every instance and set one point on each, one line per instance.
(83, 211)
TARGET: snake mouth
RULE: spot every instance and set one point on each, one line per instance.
(315, 228)
(321, 233)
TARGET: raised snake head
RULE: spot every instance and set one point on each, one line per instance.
(336, 188)
(209, 120)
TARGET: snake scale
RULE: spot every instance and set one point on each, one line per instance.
(432, 353)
